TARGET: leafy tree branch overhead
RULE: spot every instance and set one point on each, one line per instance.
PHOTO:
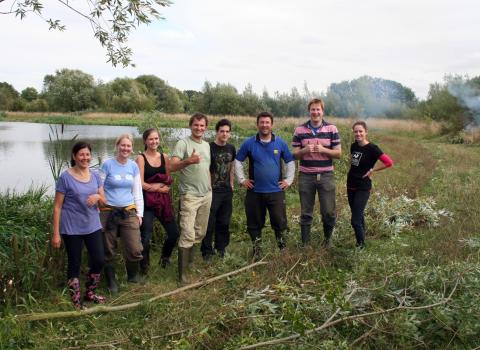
(112, 21)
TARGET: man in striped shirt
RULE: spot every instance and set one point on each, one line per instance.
(315, 144)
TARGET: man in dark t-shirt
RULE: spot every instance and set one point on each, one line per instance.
(222, 155)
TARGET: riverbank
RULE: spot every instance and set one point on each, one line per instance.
(415, 285)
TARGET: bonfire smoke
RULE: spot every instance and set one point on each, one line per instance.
(468, 96)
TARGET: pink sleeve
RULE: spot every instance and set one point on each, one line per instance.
(386, 160)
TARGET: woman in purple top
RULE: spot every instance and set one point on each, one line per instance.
(76, 220)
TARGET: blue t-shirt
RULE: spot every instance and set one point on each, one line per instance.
(76, 217)
(265, 167)
(119, 181)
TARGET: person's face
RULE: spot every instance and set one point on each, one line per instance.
(124, 148)
(264, 126)
(223, 133)
(360, 133)
(316, 112)
(152, 141)
(198, 128)
(82, 158)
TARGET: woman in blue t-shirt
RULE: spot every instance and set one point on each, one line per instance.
(364, 155)
(75, 220)
(123, 211)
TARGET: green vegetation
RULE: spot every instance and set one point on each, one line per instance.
(453, 103)
(417, 283)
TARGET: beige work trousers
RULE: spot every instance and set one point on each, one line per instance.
(194, 212)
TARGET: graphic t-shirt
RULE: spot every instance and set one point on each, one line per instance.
(119, 182)
(77, 218)
(220, 165)
(363, 158)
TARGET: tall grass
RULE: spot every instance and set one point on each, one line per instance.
(416, 264)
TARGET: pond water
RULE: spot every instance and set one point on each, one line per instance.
(26, 147)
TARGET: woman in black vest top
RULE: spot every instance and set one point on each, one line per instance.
(156, 181)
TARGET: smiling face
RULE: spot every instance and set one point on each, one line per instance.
(198, 128)
(152, 141)
(82, 158)
(360, 134)
(124, 148)
(264, 126)
(316, 113)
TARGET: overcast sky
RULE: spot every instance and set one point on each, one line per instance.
(273, 45)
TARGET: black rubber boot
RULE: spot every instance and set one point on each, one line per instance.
(111, 278)
(145, 262)
(133, 275)
(305, 232)
(280, 241)
(327, 240)
(183, 259)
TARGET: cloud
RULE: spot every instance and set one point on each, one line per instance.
(271, 44)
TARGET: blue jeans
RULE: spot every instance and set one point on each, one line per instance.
(358, 201)
(308, 187)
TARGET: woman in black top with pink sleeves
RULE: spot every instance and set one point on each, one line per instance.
(364, 155)
(156, 181)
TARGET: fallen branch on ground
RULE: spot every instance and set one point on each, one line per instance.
(105, 308)
(329, 323)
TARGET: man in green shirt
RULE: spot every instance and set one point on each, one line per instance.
(191, 156)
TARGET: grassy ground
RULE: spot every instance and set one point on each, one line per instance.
(423, 242)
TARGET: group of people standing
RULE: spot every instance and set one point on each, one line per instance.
(124, 198)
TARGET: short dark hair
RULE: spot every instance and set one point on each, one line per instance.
(315, 101)
(76, 148)
(198, 116)
(223, 122)
(361, 123)
(265, 115)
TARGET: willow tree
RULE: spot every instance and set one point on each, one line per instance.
(112, 21)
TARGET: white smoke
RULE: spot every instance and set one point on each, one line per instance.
(468, 94)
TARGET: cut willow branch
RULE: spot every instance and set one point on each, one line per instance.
(330, 323)
(106, 309)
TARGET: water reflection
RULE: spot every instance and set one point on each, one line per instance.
(25, 148)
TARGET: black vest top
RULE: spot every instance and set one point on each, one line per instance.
(149, 170)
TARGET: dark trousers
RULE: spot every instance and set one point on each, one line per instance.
(218, 223)
(256, 206)
(358, 201)
(74, 246)
(146, 230)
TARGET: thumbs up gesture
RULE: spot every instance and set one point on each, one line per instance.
(194, 158)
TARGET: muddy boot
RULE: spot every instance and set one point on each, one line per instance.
(74, 288)
(191, 257)
(183, 260)
(133, 275)
(111, 278)
(257, 250)
(305, 232)
(91, 285)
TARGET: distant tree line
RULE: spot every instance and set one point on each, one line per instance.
(454, 101)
